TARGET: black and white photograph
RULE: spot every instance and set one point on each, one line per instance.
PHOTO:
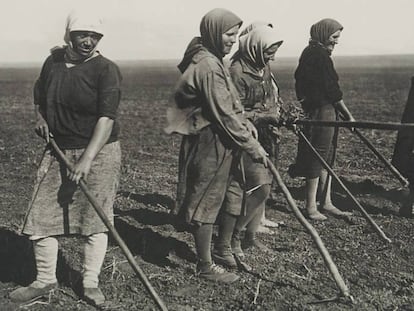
(207, 155)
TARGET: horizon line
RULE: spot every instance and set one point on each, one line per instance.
(32, 63)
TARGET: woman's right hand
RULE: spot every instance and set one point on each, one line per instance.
(41, 128)
(261, 156)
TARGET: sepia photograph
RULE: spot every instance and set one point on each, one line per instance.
(207, 155)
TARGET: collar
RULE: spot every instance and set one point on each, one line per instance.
(247, 68)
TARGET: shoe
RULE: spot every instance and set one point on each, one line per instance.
(317, 216)
(236, 245)
(94, 296)
(32, 292)
(224, 257)
(212, 272)
(335, 211)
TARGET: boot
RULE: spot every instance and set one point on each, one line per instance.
(223, 255)
(32, 292)
(212, 272)
(93, 295)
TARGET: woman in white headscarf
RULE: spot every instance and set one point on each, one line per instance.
(76, 98)
(259, 95)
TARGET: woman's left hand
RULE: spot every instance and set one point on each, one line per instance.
(252, 129)
(80, 170)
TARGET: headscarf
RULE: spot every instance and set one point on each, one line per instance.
(253, 26)
(246, 30)
(212, 27)
(80, 21)
(322, 30)
(253, 45)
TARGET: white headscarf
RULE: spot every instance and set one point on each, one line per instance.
(80, 21)
(253, 44)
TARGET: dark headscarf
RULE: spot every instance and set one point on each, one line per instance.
(213, 25)
(322, 30)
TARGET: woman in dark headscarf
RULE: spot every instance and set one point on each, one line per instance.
(259, 95)
(318, 90)
(209, 115)
(76, 98)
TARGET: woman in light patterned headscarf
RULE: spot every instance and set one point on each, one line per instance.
(259, 95)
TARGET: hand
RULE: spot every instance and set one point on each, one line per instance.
(41, 128)
(351, 119)
(261, 156)
(252, 129)
(80, 170)
(276, 132)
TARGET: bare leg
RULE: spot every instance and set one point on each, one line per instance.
(258, 200)
(253, 205)
(326, 202)
(267, 223)
(311, 191)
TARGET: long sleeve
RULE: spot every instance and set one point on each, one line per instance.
(225, 109)
(333, 92)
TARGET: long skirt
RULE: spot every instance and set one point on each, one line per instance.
(58, 206)
(322, 138)
(206, 165)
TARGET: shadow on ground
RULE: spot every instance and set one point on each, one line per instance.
(149, 242)
(17, 263)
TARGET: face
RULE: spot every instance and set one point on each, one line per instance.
(84, 42)
(269, 53)
(229, 38)
(333, 40)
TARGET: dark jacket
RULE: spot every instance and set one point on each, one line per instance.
(316, 79)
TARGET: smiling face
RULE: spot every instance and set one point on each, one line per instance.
(84, 42)
(229, 38)
(333, 40)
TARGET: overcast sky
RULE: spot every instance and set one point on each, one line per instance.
(161, 29)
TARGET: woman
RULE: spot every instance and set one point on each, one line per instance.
(259, 95)
(76, 100)
(318, 90)
(214, 130)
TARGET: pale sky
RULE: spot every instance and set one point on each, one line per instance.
(161, 29)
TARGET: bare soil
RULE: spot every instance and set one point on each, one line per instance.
(292, 276)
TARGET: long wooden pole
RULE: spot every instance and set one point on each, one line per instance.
(357, 124)
(387, 163)
(314, 234)
(375, 151)
(332, 173)
(112, 230)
